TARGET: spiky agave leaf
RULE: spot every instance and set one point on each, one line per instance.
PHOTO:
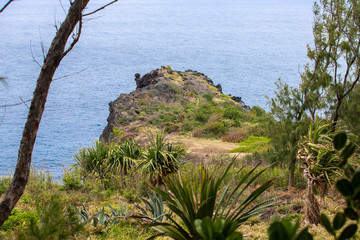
(191, 200)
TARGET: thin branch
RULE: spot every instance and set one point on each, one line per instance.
(62, 6)
(76, 38)
(69, 75)
(6, 5)
(349, 65)
(33, 57)
(24, 102)
(87, 14)
(352, 86)
(15, 104)
(29, 100)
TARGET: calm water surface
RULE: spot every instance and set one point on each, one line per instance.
(244, 45)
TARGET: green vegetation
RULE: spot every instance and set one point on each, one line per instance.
(162, 191)
(252, 144)
(112, 163)
(201, 198)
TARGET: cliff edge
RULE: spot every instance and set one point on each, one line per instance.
(172, 100)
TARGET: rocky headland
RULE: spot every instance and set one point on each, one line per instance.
(169, 100)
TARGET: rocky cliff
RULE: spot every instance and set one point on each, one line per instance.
(166, 99)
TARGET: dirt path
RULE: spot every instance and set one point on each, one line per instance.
(206, 147)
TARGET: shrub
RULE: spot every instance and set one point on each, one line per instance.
(4, 184)
(161, 158)
(208, 96)
(90, 159)
(72, 179)
(19, 218)
(234, 112)
(204, 111)
(56, 222)
(235, 135)
(210, 129)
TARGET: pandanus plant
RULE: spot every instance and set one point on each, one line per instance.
(321, 159)
(205, 200)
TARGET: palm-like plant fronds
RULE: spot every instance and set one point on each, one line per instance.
(124, 156)
(201, 198)
(320, 160)
(161, 158)
(91, 159)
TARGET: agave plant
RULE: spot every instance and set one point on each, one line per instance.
(101, 217)
(204, 198)
(83, 215)
(219, 230)
(154, 209)
(161, 158)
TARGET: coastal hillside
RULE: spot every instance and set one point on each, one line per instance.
(182, 102)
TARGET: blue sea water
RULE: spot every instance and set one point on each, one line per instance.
(245, 45)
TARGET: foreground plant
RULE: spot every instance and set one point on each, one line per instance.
(202, 198)
(219, 230)
(57, 221)
(320, 160)
(161, 158)
(154, 209)
(101, 217)
(286, 230)
(349, 187)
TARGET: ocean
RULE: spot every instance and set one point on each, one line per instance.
(245, 45)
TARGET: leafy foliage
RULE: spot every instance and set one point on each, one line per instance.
(199, 198)
(285, 230)
(56, 222)
(154, 209)
(101, 217)
(161, 158)
(219, 230)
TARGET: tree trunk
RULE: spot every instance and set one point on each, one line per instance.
(292, 172)
(53, 58)
(312, 208)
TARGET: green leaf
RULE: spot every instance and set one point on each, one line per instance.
(356, 180)
(338, 221)
(340, 140)
(348, 232)
(350, 213)
(326, 223)
(348, 151)
(304, 235)
(345, 187)
(277, 231)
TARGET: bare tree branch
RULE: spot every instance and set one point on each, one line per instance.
(29, 100)
(14, 104)
(33, 57)
(69, 75)
(87, 14)
(24, 102)
(6, 5)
